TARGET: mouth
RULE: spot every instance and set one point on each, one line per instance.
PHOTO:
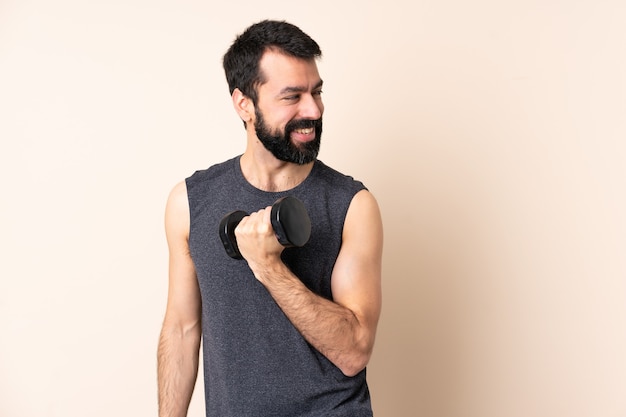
(305, 134)
(304, 130)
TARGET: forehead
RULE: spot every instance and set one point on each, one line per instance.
(280, 71)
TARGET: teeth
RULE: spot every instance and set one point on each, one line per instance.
(305, 131)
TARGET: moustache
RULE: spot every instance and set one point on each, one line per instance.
(304, 124)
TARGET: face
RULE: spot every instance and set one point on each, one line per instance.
(288, 114)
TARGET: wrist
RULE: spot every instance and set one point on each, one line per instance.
(269, 269)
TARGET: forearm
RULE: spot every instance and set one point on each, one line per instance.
(177, 369)
(332, 329)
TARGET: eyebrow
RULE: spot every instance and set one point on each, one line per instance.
(288, 90)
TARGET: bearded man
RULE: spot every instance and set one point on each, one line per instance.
(285, 331)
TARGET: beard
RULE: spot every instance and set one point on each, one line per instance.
(281, 146)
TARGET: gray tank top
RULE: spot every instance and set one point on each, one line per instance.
(255, 361)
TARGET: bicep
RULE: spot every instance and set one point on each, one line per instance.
(356, 279)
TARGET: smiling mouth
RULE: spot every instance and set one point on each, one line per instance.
(306, 131)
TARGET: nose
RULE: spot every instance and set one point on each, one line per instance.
(311, 107)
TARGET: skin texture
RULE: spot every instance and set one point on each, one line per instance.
(343, 329)
(179, 342)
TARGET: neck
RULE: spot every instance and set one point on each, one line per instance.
(267, 173)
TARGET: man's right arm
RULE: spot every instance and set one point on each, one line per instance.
(179, 342)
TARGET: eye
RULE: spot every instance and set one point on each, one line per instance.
(317, 92)
(292, 98)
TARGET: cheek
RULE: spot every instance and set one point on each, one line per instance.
(283, 117)
(320, 104)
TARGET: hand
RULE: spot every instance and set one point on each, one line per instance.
(257, 240)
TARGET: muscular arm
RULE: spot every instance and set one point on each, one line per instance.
(179, 341)
(344, 329)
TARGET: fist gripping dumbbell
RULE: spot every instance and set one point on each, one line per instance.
(290, 221)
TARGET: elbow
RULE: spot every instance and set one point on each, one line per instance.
(358, 355)
(353, 370)
(355, 363)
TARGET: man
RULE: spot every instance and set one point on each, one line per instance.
(286, 332)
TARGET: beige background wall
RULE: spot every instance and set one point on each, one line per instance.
(492, 133)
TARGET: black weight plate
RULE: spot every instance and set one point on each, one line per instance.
(291, 222)
(227, 232)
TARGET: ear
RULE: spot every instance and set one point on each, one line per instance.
(243, 105)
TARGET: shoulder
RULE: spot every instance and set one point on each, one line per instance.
(326, 171)
(178, 194)
(177, 211)
(212, 173)
(336, 179)
(364, 209)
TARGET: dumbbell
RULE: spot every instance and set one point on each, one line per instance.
(290, 221)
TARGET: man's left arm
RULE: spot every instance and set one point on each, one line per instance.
(344, 329)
